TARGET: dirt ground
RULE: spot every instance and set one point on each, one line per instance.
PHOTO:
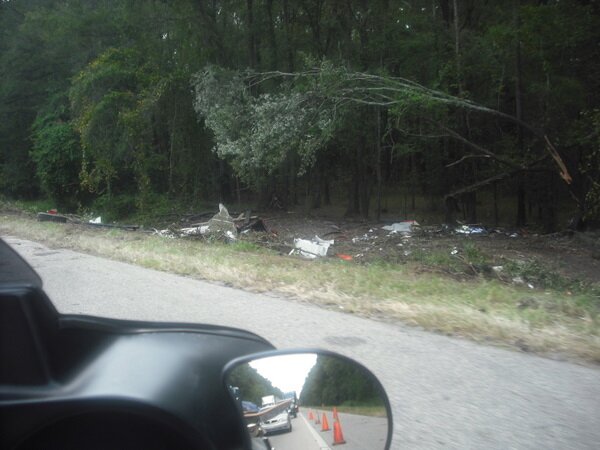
(575, 256)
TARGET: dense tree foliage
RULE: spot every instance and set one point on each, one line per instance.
(252, 385)
(476, 109)
(334, 382)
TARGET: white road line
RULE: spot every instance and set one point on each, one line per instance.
(320, 441)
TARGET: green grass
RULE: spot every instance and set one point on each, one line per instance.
(419, 292)
(371, 411)
(31, 206)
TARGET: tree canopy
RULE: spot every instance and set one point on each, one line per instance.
(463, 108)
(335, 382)
(251, 384)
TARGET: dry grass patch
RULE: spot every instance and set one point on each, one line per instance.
(488, 311)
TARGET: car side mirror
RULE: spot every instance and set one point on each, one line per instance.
(310, 399)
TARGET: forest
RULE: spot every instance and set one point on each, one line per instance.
(335, 382)
(471, 110)
(251, 385)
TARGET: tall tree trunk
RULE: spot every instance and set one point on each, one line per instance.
(457, 49)
(379, 181)
(496, 204)
(315, 187)
(272, 39)
(354, 190)
(288, 36)
(414, 175)
(521, 193)
(252, 46)
(326, 191)
(363, 177)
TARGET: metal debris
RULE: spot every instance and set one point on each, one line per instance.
(471, 229)
(405, 226)
(312, 249)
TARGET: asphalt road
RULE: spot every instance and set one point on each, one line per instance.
(358, 432)
(445, 393)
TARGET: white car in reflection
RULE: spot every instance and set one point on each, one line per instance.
(280, 422)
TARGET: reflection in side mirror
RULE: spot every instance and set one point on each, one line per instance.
(311, 401)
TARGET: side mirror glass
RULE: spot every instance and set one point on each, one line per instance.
(310, 400)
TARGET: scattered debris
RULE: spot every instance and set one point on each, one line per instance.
(471, 229)
(364, 237)
(363, 242)
(164, 233)
(251, 224)
(311, 249)
(221, 225)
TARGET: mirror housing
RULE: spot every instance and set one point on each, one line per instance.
(308, 396)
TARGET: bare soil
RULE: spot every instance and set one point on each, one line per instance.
(574, 256)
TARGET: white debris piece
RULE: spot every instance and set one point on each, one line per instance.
(364, 237)
(194, 231)
(96, 220)
(401, 227)
(317, 247)
(165, 233)
(221, 224)
(471, 229)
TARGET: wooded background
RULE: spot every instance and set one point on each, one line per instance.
(466, 109)
(335, 382)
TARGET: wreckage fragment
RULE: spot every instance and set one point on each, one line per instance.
(471, 229)
(405, 226)
(312, 249)
(221, 225)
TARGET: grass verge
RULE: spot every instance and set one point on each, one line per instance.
(550, 322)
(371, 411)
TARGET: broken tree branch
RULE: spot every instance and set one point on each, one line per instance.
(465, 158)
(375, 90)
(480, 149)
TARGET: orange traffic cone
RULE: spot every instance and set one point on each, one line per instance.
(317, 421)
(338, 437)
(335, 415)
(310, 415)
(325, 426)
